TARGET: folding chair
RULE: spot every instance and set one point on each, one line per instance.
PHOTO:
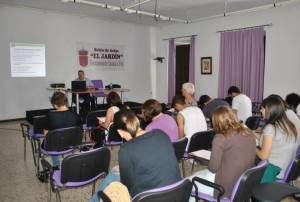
(179, 147)
(79, 169)
(242, 190)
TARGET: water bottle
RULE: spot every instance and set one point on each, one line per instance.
(110, 85)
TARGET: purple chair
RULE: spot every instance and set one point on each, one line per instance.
(98, 84)
(113, 137)
(179, 147)
(292, 172)
(242, 190)
(252, 122)
(179, 191)
(79, 169)
(92, 121)
(200, 140)
(38, 126)
(60, 142)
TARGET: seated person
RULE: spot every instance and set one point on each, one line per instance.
(280, 139)
(293, 100)
(85, 97)
(146, 161)
(232, 153)
(152, 113)
(241, 103)
(209, 105)
(189, 119)
(188, 91)
(62, 117)
(114, 103)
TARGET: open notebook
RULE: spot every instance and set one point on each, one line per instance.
(205, 154)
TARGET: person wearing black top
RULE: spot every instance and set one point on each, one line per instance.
(146, 161)
(62, 117)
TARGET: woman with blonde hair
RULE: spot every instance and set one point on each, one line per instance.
(232, 153)
(188, 91)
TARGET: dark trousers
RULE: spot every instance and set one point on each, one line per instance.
(87, 103)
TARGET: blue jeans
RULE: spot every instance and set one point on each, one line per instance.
(55, 160)
(113, 176)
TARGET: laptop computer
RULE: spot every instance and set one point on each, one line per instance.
(78, 85)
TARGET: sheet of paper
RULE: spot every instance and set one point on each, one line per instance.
(102, 119)
(205, 154)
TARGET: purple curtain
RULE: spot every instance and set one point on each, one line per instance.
(192, 61)
(242, 63)
(171, 70)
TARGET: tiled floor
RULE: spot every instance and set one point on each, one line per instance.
(18, 181)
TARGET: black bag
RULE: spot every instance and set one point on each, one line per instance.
(42, 178)
(98, 135)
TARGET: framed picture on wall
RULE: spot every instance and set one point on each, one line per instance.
(206, 65)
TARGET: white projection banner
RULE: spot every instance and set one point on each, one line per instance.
(27, 60)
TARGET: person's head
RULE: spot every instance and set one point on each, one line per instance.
(293, 100)
(81, 74)
(150, 109)
(188, 88)
(126, 123)
(233, 91)
(225, 121)
(113, 99)
(178, 102)
(59, 99)
(287, 106)
(203, 100)
(273, 111)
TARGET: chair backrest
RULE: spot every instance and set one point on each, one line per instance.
(25, 129)
(39, 125)
(113, 134)
(201, 140)
(256, 108)
(179, 147)
(177, 192)
(242, 190)
(85, 166)
(91, 117)
(293, 170)
(61, 139)
(98, 84)
(252, 122)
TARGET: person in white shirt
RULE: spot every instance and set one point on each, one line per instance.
(241, 103)
(189, 119)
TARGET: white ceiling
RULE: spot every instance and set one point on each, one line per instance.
(179, 11)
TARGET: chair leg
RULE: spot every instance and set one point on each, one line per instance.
(93, 189)
(193, 165)
(24, 148)
(58, 196)
(33, 151)
(183, 168)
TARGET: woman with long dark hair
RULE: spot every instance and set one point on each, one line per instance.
(279, 138)
(115, 104)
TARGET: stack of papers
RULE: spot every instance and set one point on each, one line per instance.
(205, 154)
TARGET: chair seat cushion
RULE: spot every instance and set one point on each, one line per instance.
(57, 179)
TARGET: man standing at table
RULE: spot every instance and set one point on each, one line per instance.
(84, 99)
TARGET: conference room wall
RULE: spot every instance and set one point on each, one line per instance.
(60, 33)
(282, 63)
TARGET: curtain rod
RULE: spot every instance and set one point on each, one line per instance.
(231, 30)
(180, 37)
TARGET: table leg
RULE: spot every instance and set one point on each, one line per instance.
(77, 103)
